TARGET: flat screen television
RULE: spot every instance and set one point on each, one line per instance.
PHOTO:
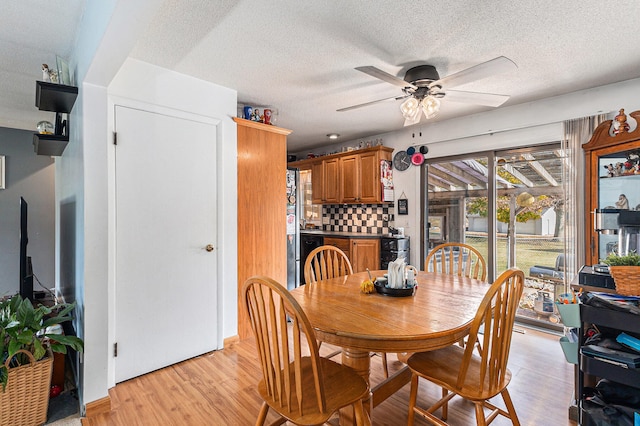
(26, 270)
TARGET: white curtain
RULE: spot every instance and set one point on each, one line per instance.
(576, 133)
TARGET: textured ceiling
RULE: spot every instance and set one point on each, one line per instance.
(32, 32)
(299, 56)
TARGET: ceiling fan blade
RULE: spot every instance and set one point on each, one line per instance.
(488, 99)
(381, 75)
(486, 69)
(396, 98)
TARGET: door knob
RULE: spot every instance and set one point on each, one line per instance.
(209, 247)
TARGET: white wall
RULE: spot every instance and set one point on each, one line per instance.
(107, 33)
(30, 176)
(141, 82)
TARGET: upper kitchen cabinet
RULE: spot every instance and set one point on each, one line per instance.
(369, 175)
(317, 182)
(612, 181)
(350, 177)
(331, 181)
(262, 198)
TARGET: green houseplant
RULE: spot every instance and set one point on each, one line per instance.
(625, 271)
(631, 259)
(26, 346)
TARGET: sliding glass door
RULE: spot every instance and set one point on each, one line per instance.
(510, 205)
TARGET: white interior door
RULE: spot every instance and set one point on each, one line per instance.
(166, 304)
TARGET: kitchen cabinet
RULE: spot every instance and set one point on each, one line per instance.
(331, 181)
(591, 368)
(612, 183)
(369, 176)
(325, 187)
(363, 253)
(261, 206)
(350, 177)
(317, 182)
(360, 178)
(343, 244)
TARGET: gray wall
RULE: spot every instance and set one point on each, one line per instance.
(32, 177)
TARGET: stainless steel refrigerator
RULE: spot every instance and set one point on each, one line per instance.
(293, 229)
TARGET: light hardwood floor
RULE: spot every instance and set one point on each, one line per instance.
(219, 388)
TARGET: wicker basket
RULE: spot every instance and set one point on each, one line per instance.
(26, 398)
(627, 279)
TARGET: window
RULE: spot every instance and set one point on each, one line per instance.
(311, 213)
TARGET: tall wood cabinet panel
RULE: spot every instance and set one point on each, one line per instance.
(262, 165)
(603, 187)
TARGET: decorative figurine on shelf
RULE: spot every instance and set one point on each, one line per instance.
(619, 169)
(49, 75)
(622, 202)
(46, 76)
(44, 128)
(248, 112)
(267, 116)
(256, 115)
(610, 170)
(620, 124)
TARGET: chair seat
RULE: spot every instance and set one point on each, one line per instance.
(343, 386)
(442, 367)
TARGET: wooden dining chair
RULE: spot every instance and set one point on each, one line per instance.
(456, 259)
(461, 371)
(305, 390)
(326, 262)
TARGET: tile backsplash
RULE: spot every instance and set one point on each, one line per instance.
(367, 218)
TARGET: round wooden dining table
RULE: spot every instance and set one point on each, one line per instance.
(438, 314)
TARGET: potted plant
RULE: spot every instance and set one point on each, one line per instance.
(625, 271)
(26, 346)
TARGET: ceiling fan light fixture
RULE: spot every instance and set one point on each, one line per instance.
(430, 106)
(410, 108)
(333, 135)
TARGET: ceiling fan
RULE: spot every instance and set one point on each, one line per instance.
(423, 88)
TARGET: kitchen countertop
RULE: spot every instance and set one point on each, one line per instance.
(345, 234)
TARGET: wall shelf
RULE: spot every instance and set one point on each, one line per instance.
(58, 98)
(55, 97)
(52, 145)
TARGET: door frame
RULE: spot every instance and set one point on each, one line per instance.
(114, 101)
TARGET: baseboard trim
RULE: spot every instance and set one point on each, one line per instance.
(230, 341)
(100, 406)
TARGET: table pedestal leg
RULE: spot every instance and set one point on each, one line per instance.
(360, 361)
